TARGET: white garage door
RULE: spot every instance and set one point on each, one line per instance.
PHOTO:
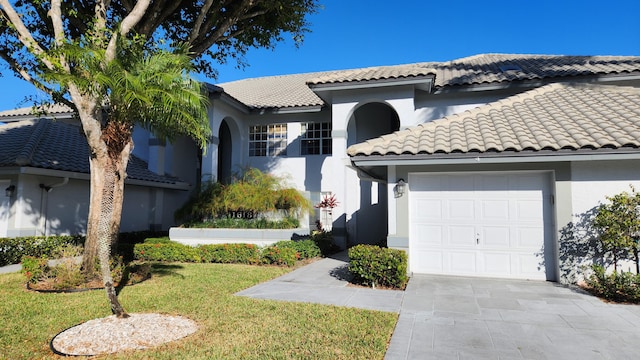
(479, 224)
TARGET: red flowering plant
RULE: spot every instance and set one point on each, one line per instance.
(328, 202)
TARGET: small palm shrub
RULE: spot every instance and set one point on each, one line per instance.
(375, 266)
(251, 191)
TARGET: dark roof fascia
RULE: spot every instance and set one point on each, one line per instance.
(288, 110)
(497, 158)
(27, 170)
(363, 84)
(535, 83)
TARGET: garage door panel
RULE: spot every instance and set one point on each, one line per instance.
(461, 236)
(530, 210)
(495, 263)
(429, 235)
(430, 209)
(529, 266)
(529, 237)
(461, 210)
(495, 237)
(495, 210)
(430, 261)
(461, 262)
(488, 224)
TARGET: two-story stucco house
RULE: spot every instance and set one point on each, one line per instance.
(479, 166)
(500, 155)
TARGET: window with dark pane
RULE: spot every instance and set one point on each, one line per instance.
(316, 139)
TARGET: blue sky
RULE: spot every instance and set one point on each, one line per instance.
(360, 33)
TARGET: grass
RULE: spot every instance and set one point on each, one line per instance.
(230, 327)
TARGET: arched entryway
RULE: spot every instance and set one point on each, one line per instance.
(368, 223)
(224, 153)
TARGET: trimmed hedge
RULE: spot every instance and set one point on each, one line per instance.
(376, 266)
(13, 249)
(282, 253)
(167, 252)
(306, 249)
(230, 253)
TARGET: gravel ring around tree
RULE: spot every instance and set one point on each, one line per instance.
(110, 334)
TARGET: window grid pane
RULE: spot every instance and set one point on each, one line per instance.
(268, 140)
(316, 139)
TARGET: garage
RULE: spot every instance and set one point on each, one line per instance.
(481, 224)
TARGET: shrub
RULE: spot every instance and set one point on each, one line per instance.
(279, 256)
(158, 240)
(230, 253)
(261, 223)
(168, 252)
(376, 266)
(617, 286)
(13, 249)
(33, 267)
(251, 191)
(618, 225)
(324, 240)
(306, 249)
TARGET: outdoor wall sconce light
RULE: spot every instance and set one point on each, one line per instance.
(400, 188)
(10, 190)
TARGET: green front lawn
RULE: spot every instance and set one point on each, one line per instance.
(231, 327)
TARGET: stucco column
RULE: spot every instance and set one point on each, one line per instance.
(210, 161)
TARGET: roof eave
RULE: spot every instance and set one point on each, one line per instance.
(483, 158)
(423, 81)
(288, 110)
(533, 83)
(179, 185)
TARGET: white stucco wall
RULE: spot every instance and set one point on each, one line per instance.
(593, 181)
(64, 209)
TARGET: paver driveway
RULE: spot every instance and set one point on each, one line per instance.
(445, 317)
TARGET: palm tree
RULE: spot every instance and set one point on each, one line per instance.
(148, 88)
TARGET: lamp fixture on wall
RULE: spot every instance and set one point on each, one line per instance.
(10, 190)
(400, 187)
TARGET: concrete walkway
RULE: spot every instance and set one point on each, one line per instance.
(444, 317)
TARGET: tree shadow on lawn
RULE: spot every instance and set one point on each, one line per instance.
(160, 269)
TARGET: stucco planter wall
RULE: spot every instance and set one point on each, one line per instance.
(259, 237)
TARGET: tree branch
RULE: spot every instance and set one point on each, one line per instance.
(127, 24)
(198, 24)
(55, 13)
(207, 41)
(24, 35)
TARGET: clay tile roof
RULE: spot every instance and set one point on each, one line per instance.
(375, 73)
(552, 117)
(54, 145)
(290, 91)
(30, 111)
(274, 91)
(496, 68)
